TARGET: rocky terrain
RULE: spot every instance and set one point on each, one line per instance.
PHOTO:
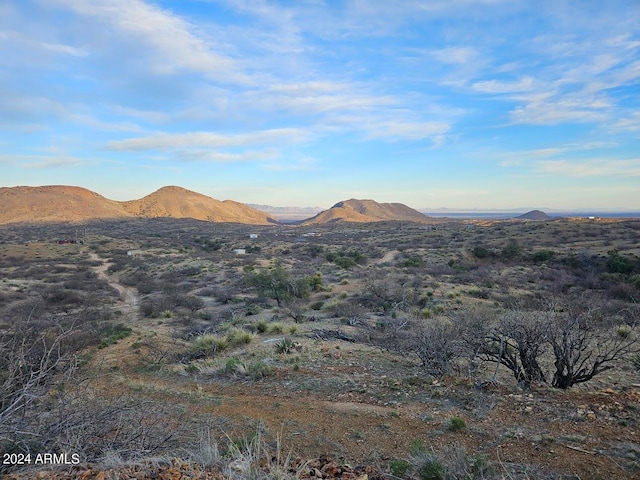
(59, 203)
(363, 211)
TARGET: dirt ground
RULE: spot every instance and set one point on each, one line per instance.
(352, 404)
(357, 404)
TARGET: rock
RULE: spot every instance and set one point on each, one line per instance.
(330, 469)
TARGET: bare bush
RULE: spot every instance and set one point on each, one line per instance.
(437, 344)
(31, 357)
(517, 342)
(583, 347)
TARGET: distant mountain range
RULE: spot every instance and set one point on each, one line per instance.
(59, 203)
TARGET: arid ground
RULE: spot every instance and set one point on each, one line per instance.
(348, 350)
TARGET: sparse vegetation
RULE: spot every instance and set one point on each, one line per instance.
(462, 325)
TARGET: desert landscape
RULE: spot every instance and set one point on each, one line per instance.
(377, 348)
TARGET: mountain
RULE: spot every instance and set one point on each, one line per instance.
(178, 202)
(534, 215)
(367, 211)
(55, 203)
(60, 203)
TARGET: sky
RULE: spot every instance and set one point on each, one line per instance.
(463, 104)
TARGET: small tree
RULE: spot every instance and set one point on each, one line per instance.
(277, 283)
(517, 343)
(583, 347)
(437, 344)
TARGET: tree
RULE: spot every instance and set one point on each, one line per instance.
(583, 347)
(277, 283)
(580, 343)
(517, 342)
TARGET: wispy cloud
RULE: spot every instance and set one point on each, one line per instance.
(178, 45)
(164, 141)
(41, 161)
(589, 168)
(305, 164)
(493, 86)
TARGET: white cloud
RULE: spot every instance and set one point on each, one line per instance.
(525, 84)
(201, 155)
(176, 42)
(455, 55)
(558, 109)
(40, 161)
(589, 168)
(164, 141)
(404, 130)
(304, 164)
(33, 43)
(629, 124)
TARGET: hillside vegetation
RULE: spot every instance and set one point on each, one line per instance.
(479, 350)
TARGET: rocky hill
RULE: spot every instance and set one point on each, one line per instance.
(178, 202)
(534, 215)
(60, 203)
(362, 211)
(55, 203)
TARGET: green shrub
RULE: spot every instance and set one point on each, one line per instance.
(346, 258)
(481, 252)
(542, 256)
(208, 345)
(481, 466)
(511, 250)
(399, 467)
(114, 333)
(236, 338)
(262, 326)
(616, 263)
(417, 447)
(456, 424)
(232, 364)
(276, 328)
(284, 346)
(413, 261)
(258, 370)
(432, 469)
(319, 304)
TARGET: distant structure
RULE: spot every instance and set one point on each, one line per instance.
(253, 235)
(240, 251)
(67, 241)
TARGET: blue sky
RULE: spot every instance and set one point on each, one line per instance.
(434, 103)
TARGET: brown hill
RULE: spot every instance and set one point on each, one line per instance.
(59, 203)
(55, 203)
(367, 211)
(178, 202)
(534, 215)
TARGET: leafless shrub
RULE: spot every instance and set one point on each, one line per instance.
(583, 348)
(437, 344)
(517, 342)
(350, 312)
(385, 294)
(31, 357)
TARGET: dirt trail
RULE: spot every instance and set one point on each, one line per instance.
(388, 257)
(127, 294)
